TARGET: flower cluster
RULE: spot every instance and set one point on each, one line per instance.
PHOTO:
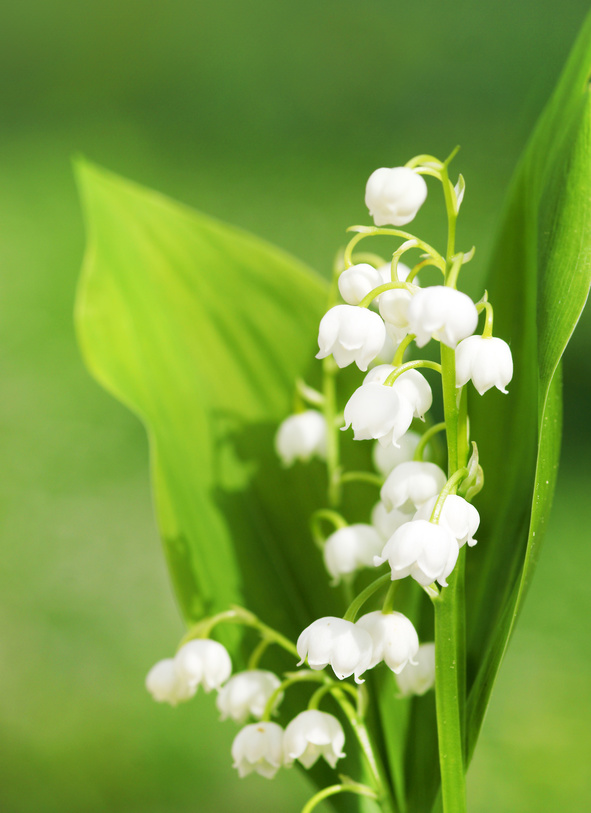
(423, 522)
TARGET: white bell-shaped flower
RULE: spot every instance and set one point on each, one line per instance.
(203, 662)
(166, 685)
(336, 642)
(457, 515)
(441, 313)
(351, 548)
(387, 351)
(386, 458)
(395, 640)
(394, 196)
(485, 360)
(246, 694)
(301, 437)
(313, 734)
(376, 411)
(393, 306)
(386, 522)
(423, 550)
(411, 484)
(357, 281)
(351, 334)
(258, 748)
(418, 678)
(412, 386)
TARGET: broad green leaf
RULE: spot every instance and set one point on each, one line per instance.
(539, 280)
(201, 330)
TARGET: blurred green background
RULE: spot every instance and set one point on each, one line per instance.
(269, 115)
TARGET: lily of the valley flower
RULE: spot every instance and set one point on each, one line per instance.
(485, 360)
(394, 196)
(301, 436)
(376, 411)
(203, 662)
(258, 748)
(395, 640)
(457, 515)
(166, 685)
(411, 386)
(246, 694)
(386, 522)
(441, 313)
(351, 548)
(419, 677)
(313, 734)
(357, 281)
(386, 458)
(337, 642)
(423, 550)
(411, 484)
(351, 334)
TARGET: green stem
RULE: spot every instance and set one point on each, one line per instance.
(426, 438)
(365, 595)
(363, 477)
(325, 515)
(401, 350)
(294, 677)
(387, 286)
(359, 789)
(411, 365)
(329, 370)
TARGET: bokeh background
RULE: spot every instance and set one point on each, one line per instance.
(269, 115)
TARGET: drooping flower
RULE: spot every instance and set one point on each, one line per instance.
(458, 515)
(411, 386)
(411, 484)
(386, 458)
(485, 360)
(351, 548)
(419, 677)
(423, 550)
(258, 748)
(441, 313)
(166, 685)
(386, 522)
(395, 640)
(376, 411)
(246, 694)
(394, 196)
(203, 662)
(393, 306)
(301, 436)
(402, 272)
(337, 642)
(357, 281)
(351, 334)
(313, 734)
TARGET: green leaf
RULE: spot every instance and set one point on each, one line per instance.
(539, 282)
(201, 330)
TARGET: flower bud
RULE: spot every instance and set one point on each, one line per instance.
(441, 313)
(419, 677)
(402, 272)
(246, 694)
(351, 334)
(258, 748)
(203, 662)
(301, 436)
(411, 484)
(457, 515)
(394, 196)
(357, 281)
(336, 642)
(376, 411)
(395, 640)
(350, 549)
(423, 550)
(485, 360)
(386, 458)
(313, 734)
(166, 685)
